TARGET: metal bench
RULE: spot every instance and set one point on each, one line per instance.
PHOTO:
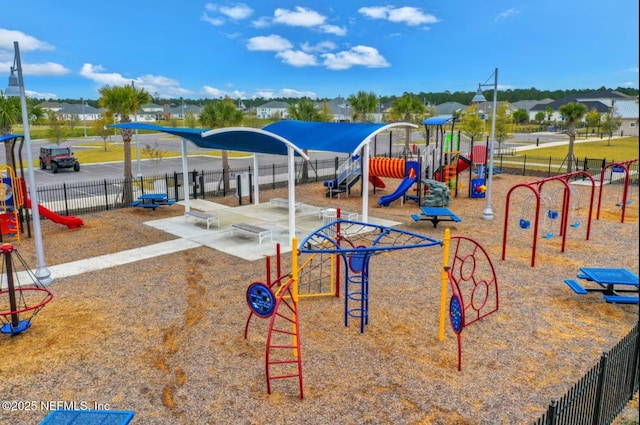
(249, 229)
(284, 203)
(575, 285)
(621, 299)
(199, 215)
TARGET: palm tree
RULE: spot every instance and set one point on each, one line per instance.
(362, 104)
(10, 115)
(123, 101)
(405, 108)
(223, 113)
(572, 113)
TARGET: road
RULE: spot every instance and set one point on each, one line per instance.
(148, 167)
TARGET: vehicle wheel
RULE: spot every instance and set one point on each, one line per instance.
(54, 167)
(43, 166)
(76, 166)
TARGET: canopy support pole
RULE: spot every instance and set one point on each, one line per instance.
(292, 194)
(256, 180)
(365, 182)
(185, 176)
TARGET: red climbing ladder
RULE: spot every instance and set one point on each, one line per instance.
(283, 357)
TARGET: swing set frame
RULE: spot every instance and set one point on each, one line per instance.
(536, 188)
(625, 165)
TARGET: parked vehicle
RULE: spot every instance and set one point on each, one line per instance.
(57, 157)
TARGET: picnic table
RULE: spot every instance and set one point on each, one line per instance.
(614, 283)
(435, 215)
(152, 200)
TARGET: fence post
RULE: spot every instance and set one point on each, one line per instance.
(599, 387)
(549, 168)
(176, 186)
(552, 411)
(524, 165)
(273, 176)
(106, 194)
(66, 202)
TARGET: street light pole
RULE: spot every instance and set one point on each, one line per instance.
(135, 119)
(487, 214)
(16, 88)
(84, 118)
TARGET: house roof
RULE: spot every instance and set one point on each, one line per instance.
(583, 98)
(276, 138)
(627, 109)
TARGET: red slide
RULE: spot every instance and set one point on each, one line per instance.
(69, 221)
(376, 181)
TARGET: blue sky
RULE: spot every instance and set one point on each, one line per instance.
(198, 49)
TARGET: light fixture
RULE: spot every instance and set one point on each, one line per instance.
(487, 214)
(479, 97)
(16, 88)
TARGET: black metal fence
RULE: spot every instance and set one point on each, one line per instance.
(599, 397)
(102, 195)
(108, 194)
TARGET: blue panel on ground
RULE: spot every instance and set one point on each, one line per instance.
(88, 417)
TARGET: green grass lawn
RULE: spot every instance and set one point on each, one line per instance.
(621, 149)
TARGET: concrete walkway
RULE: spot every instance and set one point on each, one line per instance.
(194, 235)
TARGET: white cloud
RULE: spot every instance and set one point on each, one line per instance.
(297, 58)
(237, 12)
(262, 22)
(356, 56)
(334, 29)
(40, 95)
(166, 87)
(301, 17)
(25, 42)
(216, 22)
(506, 14)
(216, 93)
(323, 46)
(272, 94)
(411, 16)
(271, 43)
(47, 68)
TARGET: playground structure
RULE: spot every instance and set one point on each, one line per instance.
(450, 156)
(564, 213)
(19, 302)
(350, 246)
(617, 167)
(15, 202)
(408, 171)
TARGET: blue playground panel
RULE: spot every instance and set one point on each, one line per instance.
(88, 417)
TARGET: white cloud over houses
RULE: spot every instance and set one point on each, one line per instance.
(271, 42)
(411, 16)
(356, 56)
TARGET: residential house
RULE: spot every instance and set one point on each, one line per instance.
(273, 110)
(627, 112)
(601, 101)
(340, 109)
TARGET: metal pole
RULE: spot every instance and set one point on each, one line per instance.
(84, 119)
(488, 211)
(42, 273)
(135, 119)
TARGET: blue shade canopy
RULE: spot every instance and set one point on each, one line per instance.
(5, 137)
(276, 138)
(440, 120)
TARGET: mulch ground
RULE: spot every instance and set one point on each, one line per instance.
(164, 337)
